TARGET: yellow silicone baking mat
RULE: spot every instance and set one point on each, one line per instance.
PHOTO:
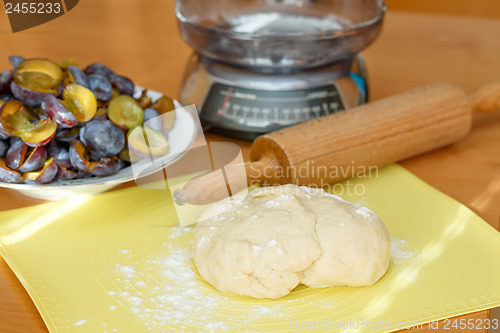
(119, 262)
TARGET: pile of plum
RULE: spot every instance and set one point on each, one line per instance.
(58, 122)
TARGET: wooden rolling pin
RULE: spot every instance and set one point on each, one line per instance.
(338, 146)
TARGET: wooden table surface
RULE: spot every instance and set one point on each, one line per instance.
(140, 39)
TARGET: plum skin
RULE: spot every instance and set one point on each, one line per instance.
(65, 174)
(61, 155)
(106, 166)
(34, 161)
(28, 96)
(3, 133)
(123, 84)
(100, 86)
(44, 176)
(5, 79)
(79, 77)
(4, 146)
(98, 68)
(77, 156)
(8, 175)
(153, 120)
(16, 153)
(15, 60)
(102, 138)
(57, 112)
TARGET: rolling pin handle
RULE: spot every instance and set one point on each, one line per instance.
(180, 197)
(486, 98)
(207, 188)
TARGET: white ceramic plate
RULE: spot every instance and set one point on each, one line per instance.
(180, 139)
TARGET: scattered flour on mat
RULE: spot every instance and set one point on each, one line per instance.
(128, 271)
(401, 253)
(80, 322)
(405, 260)
(172, 295)
(179, 231)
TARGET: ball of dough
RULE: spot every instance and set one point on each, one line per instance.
(278, 237)
(260, 247)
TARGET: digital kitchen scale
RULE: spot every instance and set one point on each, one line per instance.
(260, 65)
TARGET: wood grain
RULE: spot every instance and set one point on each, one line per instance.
(140, 39)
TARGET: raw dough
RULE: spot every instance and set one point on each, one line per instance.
(260, 247)
(355, 243)
(278, 237)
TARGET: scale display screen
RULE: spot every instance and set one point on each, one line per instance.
(263, 108)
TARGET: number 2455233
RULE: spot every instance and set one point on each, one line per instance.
(33, 8)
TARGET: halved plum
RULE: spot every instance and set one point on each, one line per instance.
(145, 141)
(40, 143)
(16, 154)
(30, 97)
(106, 166)
(68, 62)
(57, 112)
(18, 121)
(125, 112)
(77, 156)
(38, 74)
(80, 101)
(43, 176)
(165, 106)
(143, 99)
(34, 161)
(8, 175)
(125, 155)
